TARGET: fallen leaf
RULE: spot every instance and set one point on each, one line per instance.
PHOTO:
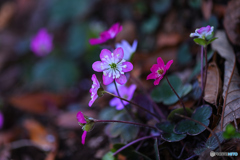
(231, 85)
(207, 6)
(37, 103)
(6, 12)
(39, 135)
(166, 40)
(214, 84)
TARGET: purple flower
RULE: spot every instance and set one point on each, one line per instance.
(127, 48)
(1, 120)
(106, 35)
(41, 44)
(94, 89)
(81, 119)
(125, 92)
(113, 66)
(159, 70)
(202, 32)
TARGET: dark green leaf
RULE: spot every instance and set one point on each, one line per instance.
(173, 118)
(196, 4)
(150, 25)
(109, 156)
(161, 6)
(107, 113)
(200, 41)
(202, 115)
(168, 134)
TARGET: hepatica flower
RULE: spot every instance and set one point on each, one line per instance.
(125, 92)
(203, 32)
(82, 121)
(127, 48)
(41, 43)
(159, 70)
(94, 89)
(106, 35)
(113, 66)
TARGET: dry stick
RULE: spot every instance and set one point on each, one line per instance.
(126, 122)
(154, 115)
(225, 98)
(133, 142)
(159, 111)
(128, 111)
(177, 95)
(219, 143)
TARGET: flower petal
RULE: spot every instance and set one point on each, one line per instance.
(96, 66)
(122, 79)
(114, 102)
(92, 100)
(154, 68)
(131, 91)
(119, 106)
(134, 45)
(118, 54)
(84, 136)
(127, 66)
(94, 41)
(156, 82)
(80, 117)
(160, 62)
(107, 80)
(169, 63)
(104, 54)
(152, 76)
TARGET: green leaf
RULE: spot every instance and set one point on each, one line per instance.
(55, 73)
(196, 4)
(230, 132)
(184, 56)
(168, 134)
(211, 40)
(127, 132)
(202, 115)
(107, 113)
(150, 25)
(200, 41)
(156, 149)
(163, 92)
(173, 118)
(109, 156)
(161, 6)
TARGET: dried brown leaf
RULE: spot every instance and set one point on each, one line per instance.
(231, 85)
(6, 12)
(214, 84)
(207, 6)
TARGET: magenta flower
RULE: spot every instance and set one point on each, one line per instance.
(41, 44)
(159, 70)
(94, 89)
(81, 119)
(1, 120)
(202, 32)
(106, 35)
(125, 92)
(113, 66)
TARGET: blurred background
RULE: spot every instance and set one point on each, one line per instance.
(40, 95)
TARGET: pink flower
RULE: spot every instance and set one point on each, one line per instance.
(113, 66)
(94, 89)
(41, 44)
(81, 119)
(106, 35)
(159, 70)
(125, 92)
(203, 32)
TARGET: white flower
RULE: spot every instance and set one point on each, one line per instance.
(128, 49)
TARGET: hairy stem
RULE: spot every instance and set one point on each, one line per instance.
(126, 122)
(154, 115)
(133, 142)
(177, 95)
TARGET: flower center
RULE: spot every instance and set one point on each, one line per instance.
(160, 71)
(113, 66)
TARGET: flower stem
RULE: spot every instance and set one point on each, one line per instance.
(133, 142)
(154, 115)
(202, 69)
(127, 122)
(177, 95)
(128, 111)
(206, 68)
(213, 133)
